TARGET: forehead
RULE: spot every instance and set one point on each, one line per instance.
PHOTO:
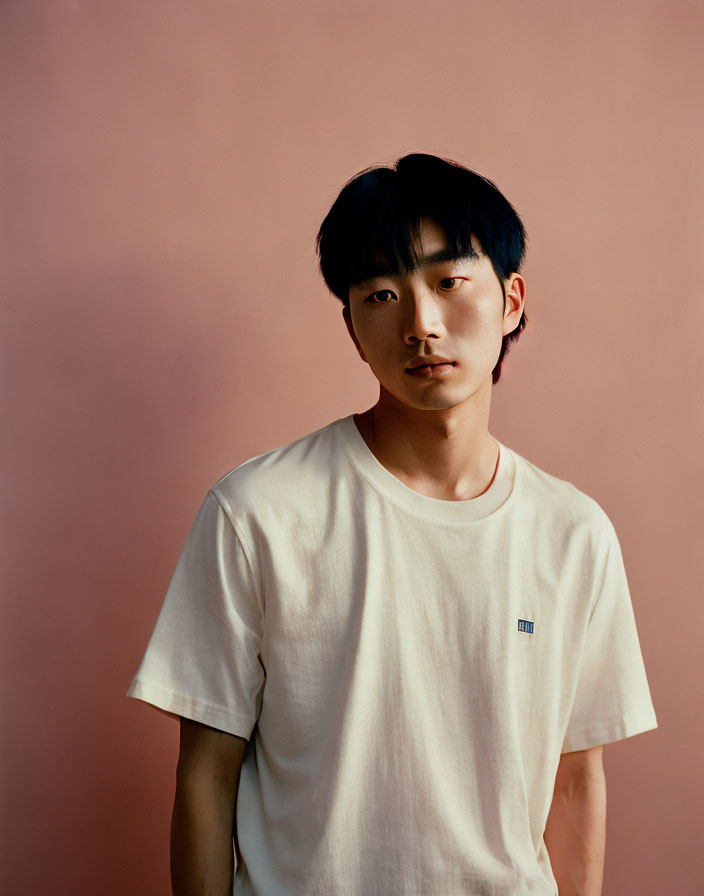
(430, 247)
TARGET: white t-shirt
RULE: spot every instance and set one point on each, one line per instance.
(407, 670)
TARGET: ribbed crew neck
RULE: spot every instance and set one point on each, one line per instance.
(435, 510)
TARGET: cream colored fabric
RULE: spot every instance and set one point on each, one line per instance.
(405, 725)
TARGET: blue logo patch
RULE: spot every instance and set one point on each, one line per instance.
(525, 626)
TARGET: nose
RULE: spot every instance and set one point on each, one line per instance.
(422, 315)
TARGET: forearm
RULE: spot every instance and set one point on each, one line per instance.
(202, 854)
(575, 837)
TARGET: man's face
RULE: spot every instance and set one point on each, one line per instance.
(454, 309)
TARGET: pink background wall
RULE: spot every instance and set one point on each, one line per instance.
(166, 167)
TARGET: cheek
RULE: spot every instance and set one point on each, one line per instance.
(478, 319)
(376, 335)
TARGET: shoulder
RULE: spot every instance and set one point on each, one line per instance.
(283, 478)
(559, 504)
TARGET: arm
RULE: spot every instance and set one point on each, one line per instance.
(203, 820)
(575, 833)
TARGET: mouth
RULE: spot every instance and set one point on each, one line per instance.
(438, 364)
(431, 370)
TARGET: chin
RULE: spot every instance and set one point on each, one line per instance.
(431, 403)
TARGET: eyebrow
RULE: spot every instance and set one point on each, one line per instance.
(382, 269)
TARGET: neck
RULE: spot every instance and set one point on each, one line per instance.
(444, 453)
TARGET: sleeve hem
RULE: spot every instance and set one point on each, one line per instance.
(175, 705)
(619, 729)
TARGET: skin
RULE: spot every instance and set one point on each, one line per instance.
(575, 831)
(203, 817)
(433, 434)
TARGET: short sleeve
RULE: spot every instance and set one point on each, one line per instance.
(203, 660)
(612, 699)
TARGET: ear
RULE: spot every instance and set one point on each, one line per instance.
(350, 329)
(515, 302)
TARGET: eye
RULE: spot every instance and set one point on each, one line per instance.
(452, 280)
(381, 292)
(373, 300)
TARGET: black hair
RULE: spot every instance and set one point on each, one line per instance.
(379, 210)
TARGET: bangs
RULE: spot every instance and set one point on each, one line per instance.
(386, 242)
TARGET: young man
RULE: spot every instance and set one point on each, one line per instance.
(396, 646)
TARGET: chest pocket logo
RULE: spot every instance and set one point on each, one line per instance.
(525, 626)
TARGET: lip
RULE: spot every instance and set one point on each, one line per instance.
(424, 360)
(431, 371)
